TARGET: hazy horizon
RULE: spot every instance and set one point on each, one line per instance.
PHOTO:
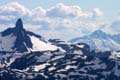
(62, 19)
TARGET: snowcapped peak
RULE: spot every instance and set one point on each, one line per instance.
(98, 31)
(99, 34)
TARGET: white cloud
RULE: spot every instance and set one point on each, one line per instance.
(7, 18)
(115, 26)
(38, 12)
(61, 10)
(97, 12)
(64, 11)
(11, 11)
(14, 9)
(60, 20)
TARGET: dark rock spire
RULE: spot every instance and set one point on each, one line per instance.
(19, 24)
(23, 41)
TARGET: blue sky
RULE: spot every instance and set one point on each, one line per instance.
(49, 21)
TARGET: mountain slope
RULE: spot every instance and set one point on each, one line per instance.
(101, 41)
(69, 66)
(46, 62)
(18, 39)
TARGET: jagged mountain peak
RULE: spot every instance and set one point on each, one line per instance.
(18, 30)
(19, 24)
(21, 40)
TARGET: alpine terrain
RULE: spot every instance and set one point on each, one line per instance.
(25, 55)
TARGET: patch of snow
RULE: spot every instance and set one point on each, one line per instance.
(81, 46)
(57, 57)
(69, 66)
(79, 52)
(115, 55)
(52, 68)
(41, 66)
(39, 45)
(61, 70)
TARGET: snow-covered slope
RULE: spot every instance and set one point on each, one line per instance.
(39, 45)
(18, 39)
(100, 41)
(6, 42)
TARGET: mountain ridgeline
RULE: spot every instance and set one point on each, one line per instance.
(100, 41)
(25, 55)
(20, 40)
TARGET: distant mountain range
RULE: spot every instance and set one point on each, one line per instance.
(100, 41)
(25, 55)
(20, 40)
